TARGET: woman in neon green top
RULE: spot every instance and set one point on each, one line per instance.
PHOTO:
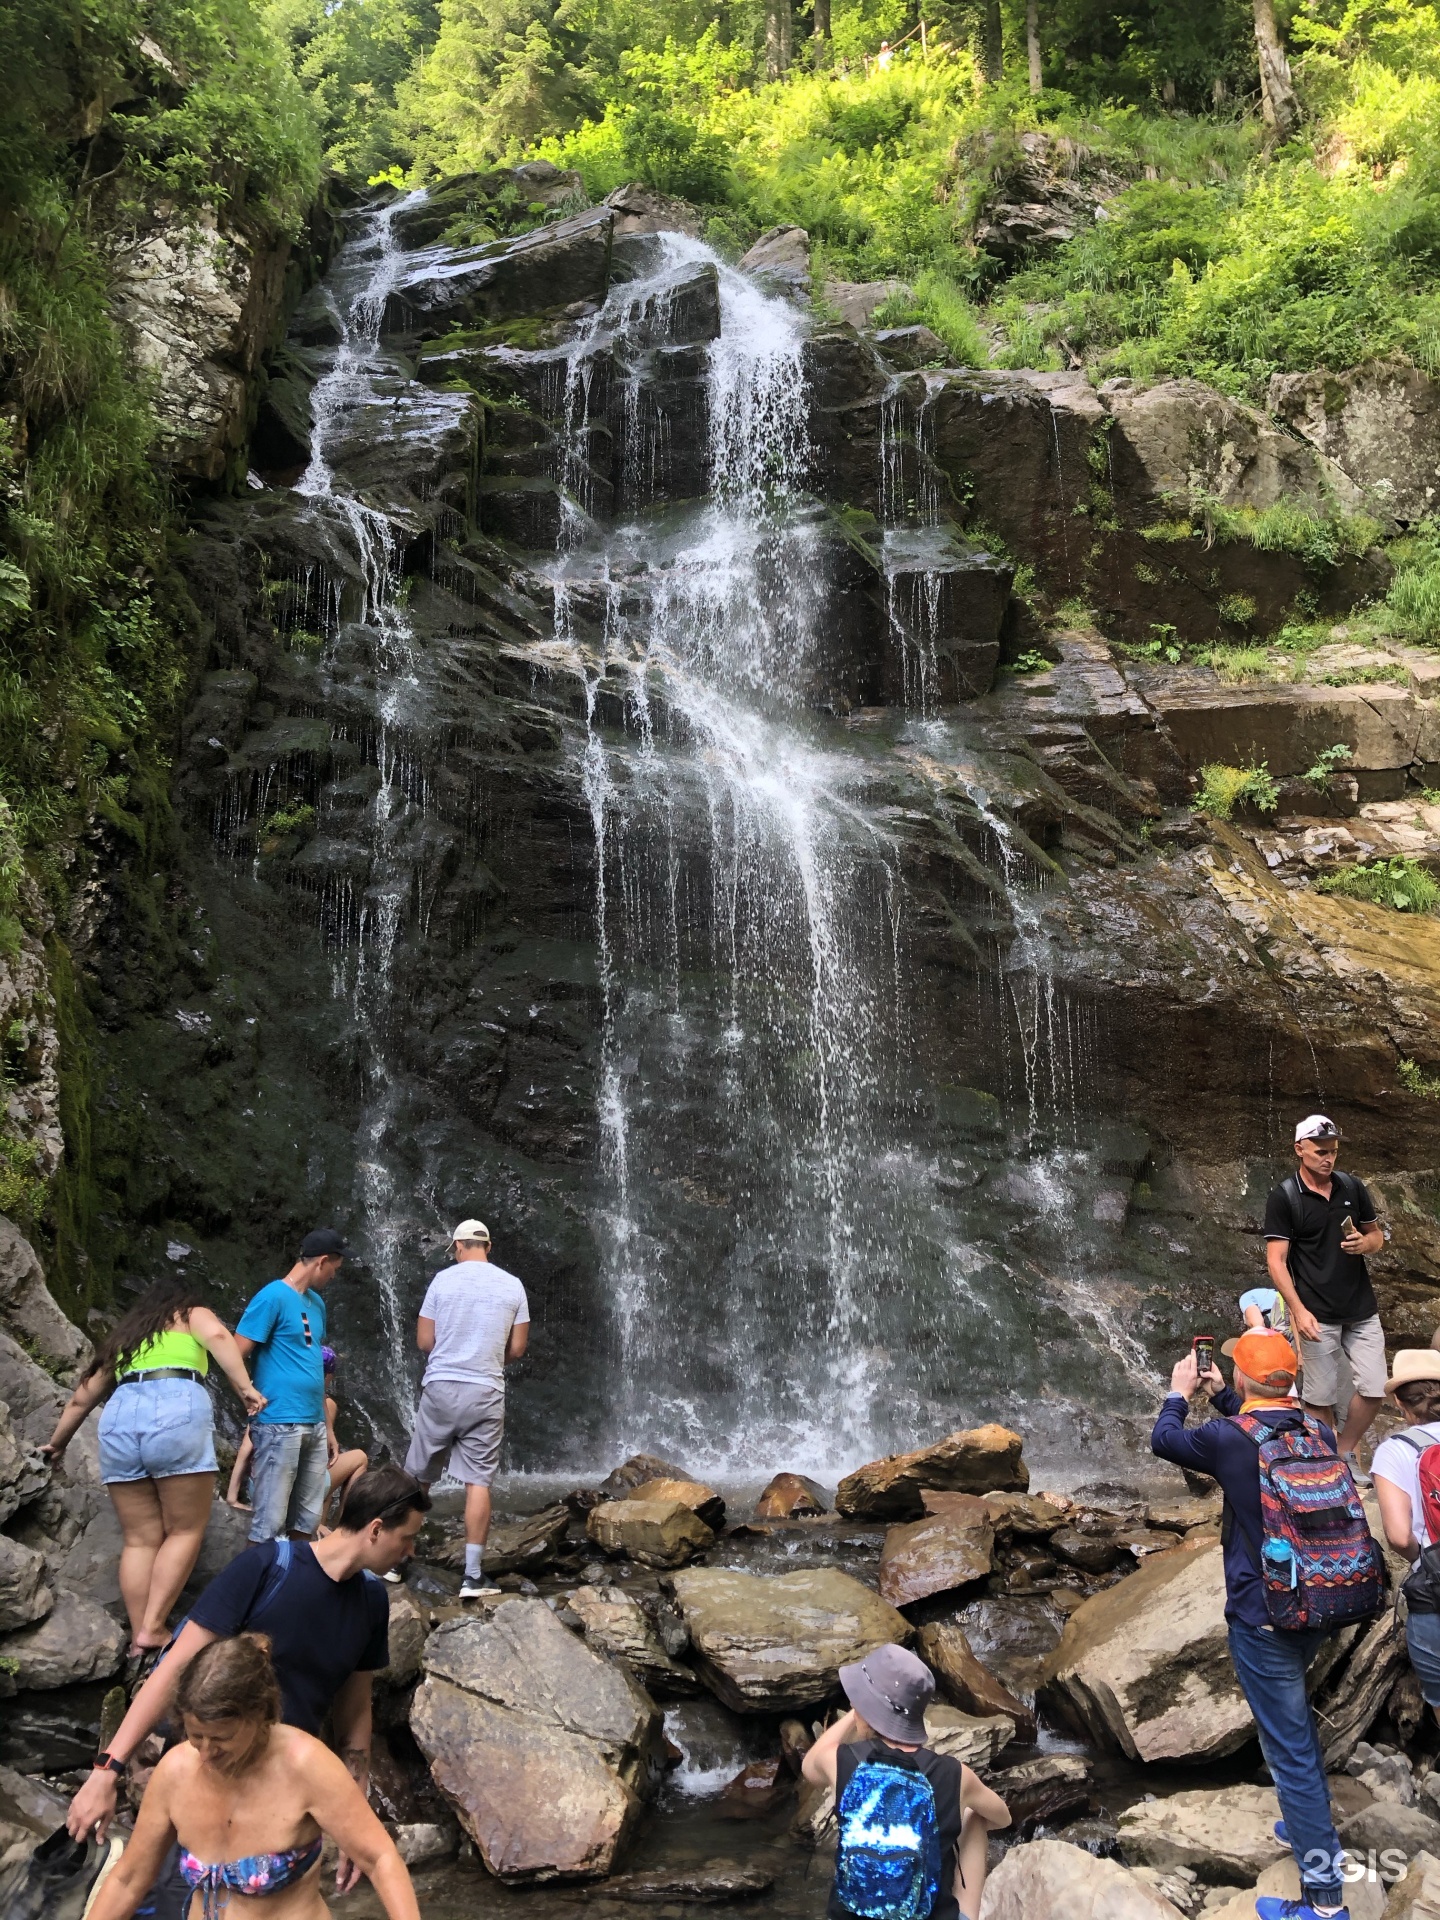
(157, 1442)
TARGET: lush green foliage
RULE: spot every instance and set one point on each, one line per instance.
(1223, 788)
(1398, 883)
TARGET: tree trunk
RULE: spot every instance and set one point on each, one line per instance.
(777, 38)
(822, 19)
(993, 59)
(1281, 109)
(1032, 44)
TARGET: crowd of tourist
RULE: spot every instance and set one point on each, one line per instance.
(287, 1637)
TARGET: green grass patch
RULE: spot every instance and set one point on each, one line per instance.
(1399, 884)
(1223, 788)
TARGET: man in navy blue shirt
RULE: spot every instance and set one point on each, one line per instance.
(1270, 1662)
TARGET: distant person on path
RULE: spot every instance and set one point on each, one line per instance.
(1318, 1266)
(283, 1328)
(473, 1319)
(157, 1442)
(1270, 1660)
(1409, 1518)
(326, 1617)
(897, 1801)
(248, 1801)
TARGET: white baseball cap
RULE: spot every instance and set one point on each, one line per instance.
(471, 1230)
(1317, 1126)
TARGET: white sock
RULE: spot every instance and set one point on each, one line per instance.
(473, 1556)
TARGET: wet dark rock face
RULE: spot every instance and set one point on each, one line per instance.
(473, 658)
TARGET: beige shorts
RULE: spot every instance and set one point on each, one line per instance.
(1363, 1343)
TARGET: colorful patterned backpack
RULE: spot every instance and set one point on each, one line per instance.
(888, 1863)
(1319, 1564)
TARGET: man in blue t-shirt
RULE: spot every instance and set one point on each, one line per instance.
(282, 1335)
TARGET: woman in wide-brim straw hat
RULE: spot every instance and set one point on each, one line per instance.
(1415, 1388)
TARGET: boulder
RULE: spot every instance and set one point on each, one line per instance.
(1052, 1879)
(711, 1881)
(683, 312)
(1039, 1792)
(1091, 1552)
(421, 1842)
(758, 1788)
(856, 301)
(1380, 423)
(657, 1533)
(526, 1545)
(1385, 1824)
(1417, 1896)
(776, 1644)
(75, 1641)
(703, 1501)
(23, 1474)
(973, 1460)
(1028, 1516)
(790, 1496)
(1227, 1835)
(978, 1741)
(554, 267)
(1040, 192)
(780, 259)
(965, 1682)
(1145, 1665)
(909, 348)
(24, 1596)
(409, 1630)
(642, 209)
(27, 1307)
(1182, 440)
(544, 1749)
(635, 1471)
(936, 1555)
(618, 1627)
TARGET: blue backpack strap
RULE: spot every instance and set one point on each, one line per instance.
(276, 1574)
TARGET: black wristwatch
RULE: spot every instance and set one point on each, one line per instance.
(108, 1763)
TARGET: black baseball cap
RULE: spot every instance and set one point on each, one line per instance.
(322, 1243)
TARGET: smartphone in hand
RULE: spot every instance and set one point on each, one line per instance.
(1204, 1346)
(1347, 1227)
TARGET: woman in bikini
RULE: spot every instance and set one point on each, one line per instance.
(249, 1802)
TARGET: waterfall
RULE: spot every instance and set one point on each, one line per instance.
(773, 977)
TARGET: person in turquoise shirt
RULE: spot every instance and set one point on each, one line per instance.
(282, 1334)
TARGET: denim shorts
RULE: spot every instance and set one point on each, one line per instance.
(1422, 1638)
(154, 1429)
(289, 1478)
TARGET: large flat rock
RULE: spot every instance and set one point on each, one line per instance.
(775, 1645)
(973, 1460)
(1288, 726)
(1145, 1666)
(1379, 422)
(544, 1749)
(936, 1555)
(1052, 1880)
(556, 266)
(1227, 1835)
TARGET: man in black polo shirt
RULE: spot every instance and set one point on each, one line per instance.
(1319, 1266)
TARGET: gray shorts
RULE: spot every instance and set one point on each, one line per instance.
(460, 1419)
(1363, 1342)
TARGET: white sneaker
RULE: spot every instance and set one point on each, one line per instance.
(394, 1576)
(1362, 1479)
(472, 1590)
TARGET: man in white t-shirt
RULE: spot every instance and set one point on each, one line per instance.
(473, 1319)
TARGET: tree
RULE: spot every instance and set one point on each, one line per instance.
(993, 54)
(1032, 44)
(778, 35)
(1277, 90)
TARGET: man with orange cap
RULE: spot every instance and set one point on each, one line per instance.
(1270, 1662)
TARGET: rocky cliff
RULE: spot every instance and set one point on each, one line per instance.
(564, 543)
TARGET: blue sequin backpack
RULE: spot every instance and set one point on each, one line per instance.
(888, 1864)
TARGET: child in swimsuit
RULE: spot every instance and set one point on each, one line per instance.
(273, 1788)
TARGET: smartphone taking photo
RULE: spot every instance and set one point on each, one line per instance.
(1204, 1348)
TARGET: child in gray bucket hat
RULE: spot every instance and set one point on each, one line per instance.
(914, 1824)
